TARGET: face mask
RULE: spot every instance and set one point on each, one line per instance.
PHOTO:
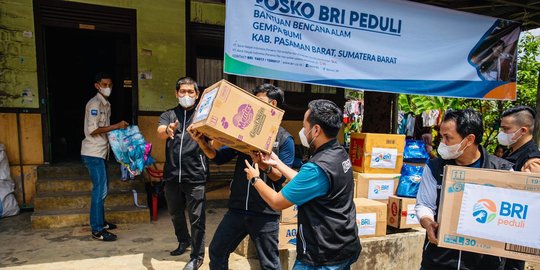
(303, 138)
(186, 101)
(105, 91)
(506, 139)
(450, 152)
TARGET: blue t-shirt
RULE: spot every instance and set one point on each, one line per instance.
(310, 182)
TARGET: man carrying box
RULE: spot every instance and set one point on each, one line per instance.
(184, 173)
(248, 213)
(517, 125)
(461, 133)
(323, 190)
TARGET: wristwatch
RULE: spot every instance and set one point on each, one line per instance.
(254, 179)
(268, 170)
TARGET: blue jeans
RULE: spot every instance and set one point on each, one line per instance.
(97, 168)
(346, 265)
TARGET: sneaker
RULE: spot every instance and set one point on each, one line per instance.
(104, 235)
(109, 226)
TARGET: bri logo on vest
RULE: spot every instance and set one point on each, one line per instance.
(509, 214)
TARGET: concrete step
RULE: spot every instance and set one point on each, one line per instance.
(81, 217)
(81, 184)
(82, 200)
(76, 170)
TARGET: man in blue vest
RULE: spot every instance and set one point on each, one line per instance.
(327, 235)
(461, 133)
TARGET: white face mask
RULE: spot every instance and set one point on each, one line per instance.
(186, 101)
(506, 139)
(303, 138)
(450, 152)
(105, 91)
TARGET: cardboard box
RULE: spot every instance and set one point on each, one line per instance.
(499, 213)
(376, 186)
(290, 214)
(401, 213)
(230, 115)
(377, 153)
(287, 235)
(370, 217)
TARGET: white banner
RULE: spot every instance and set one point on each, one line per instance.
(380, 189)
(499, 214)
(384, 45)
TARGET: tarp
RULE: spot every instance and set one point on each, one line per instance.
(384, 45)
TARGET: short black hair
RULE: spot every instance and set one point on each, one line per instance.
(326, 114)
(523, 116)
(467, 122)
(272, 92)
(100, 76)
(187, 80)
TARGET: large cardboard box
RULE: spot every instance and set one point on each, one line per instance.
(401, 213)
(228, 114)
(370, 217)
(289, 215)
(376, 186)
(483, 203)
(376, 153)
(287, 235)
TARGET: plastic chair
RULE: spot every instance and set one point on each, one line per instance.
(156, 181)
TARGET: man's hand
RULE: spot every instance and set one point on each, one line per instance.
(256, 156)
(532, 165)
(121, 124)
(251, 171)
(270, 159)
(431, 229)
(171, 128)
(197, 136)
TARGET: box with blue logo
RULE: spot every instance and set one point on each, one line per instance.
(401, 213)
(375, 186)
(370, 217)
(490, 212)
(287, 235)
(376, 153)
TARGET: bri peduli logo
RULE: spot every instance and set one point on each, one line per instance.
(381, 188)
(383, 157)
(510, 214)
(484, 211)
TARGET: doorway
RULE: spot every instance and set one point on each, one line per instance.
(73, 57)
(74, 42)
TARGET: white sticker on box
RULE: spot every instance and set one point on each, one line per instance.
(383, 158)
(411, 215)
(500, 214)
(380, 189)
(205, 106)
(367, 223)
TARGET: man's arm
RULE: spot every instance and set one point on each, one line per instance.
(119, 125)
(426, 204)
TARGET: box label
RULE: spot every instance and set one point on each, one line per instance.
(383, 158)
(367, 223)
(206, 105)
(411, 215)
(380, 189)
(243, 117)
(499, 214)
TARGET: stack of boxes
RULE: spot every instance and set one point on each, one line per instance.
(377, 160)
(287, 228)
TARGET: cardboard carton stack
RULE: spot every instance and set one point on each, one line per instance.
(288, 227)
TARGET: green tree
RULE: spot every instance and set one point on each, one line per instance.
(527, 88)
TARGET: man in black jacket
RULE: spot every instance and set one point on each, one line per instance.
(185, 173)
(248, 213)
(461, 133)
(327, 234)
(517, 125)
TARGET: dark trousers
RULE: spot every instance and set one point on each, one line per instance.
(263, 231)
(179, 196)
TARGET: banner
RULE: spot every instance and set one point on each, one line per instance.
(388, 46)
(499, 214)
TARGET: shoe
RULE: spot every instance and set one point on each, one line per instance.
(109, 226)
(194, 264)
(104, 235)
(180, 249)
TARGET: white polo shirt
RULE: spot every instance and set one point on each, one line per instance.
(97, 114)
